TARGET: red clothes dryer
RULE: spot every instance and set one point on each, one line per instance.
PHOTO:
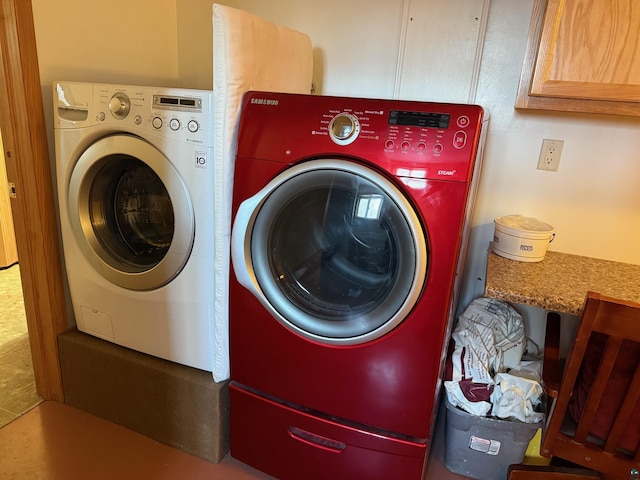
(350, 222)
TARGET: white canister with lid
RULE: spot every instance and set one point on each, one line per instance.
(521, 238)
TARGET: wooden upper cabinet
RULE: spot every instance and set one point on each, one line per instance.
(583, 56)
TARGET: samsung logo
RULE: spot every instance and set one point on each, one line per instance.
(264, 101)
(447, 173)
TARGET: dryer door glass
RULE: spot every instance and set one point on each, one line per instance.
(130, 212)
(338, 252)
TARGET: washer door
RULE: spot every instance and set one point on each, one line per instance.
(130, 212)
(333, 250)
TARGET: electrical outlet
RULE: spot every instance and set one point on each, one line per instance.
(550, 154)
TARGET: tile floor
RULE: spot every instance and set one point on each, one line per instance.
(17, 387)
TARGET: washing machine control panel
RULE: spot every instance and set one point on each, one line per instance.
(184, 115)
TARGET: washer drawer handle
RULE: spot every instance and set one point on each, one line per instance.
(316, 440)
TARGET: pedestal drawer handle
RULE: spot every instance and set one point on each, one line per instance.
(316, 440)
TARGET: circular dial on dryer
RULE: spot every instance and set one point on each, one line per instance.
(344, 128)
(120, 105)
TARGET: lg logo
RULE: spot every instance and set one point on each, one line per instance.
(201, 159)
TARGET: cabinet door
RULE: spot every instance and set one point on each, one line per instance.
(583, 55)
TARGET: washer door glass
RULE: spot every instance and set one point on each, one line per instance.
(130, 212)
(338, 251)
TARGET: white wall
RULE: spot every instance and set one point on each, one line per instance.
(358, 40)
(415, 50)
(195, 43)
(111, 41)
(441, 50)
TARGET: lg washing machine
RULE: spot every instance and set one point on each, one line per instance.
(350, 225)
(135, 192)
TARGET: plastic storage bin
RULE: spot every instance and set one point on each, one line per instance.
(482, 447)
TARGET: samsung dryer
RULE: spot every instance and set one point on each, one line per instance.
(350, 224)
(135, 192)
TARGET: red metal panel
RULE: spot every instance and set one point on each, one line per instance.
(387, 383)
(290, 444)
(288, 128)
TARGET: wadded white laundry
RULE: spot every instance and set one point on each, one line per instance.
(488, 376)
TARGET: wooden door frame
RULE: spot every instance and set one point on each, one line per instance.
(34, 209)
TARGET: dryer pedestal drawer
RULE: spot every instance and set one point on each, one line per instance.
(292, 444)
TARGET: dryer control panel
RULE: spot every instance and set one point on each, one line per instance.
(179, 114)
(410, 139)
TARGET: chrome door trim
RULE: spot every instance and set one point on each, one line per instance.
(85, 171)
(243, 263)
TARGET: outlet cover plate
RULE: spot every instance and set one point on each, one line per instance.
(550, 154)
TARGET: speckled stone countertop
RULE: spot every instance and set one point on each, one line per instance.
(561, 281)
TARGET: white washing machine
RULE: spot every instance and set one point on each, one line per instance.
(135, 191)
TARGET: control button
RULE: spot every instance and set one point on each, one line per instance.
(405, 145)
(344, 128)
(193, 126)
(437, 148)
(463, 121)
(101, 116)
(138, 120)
(119, 105)
(389, 144)
(421, 146)
(174, 124)
(459, 139)
(157, 123)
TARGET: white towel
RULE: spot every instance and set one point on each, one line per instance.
(249, 53)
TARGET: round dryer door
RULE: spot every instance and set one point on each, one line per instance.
(130, 212)
(333, 249)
